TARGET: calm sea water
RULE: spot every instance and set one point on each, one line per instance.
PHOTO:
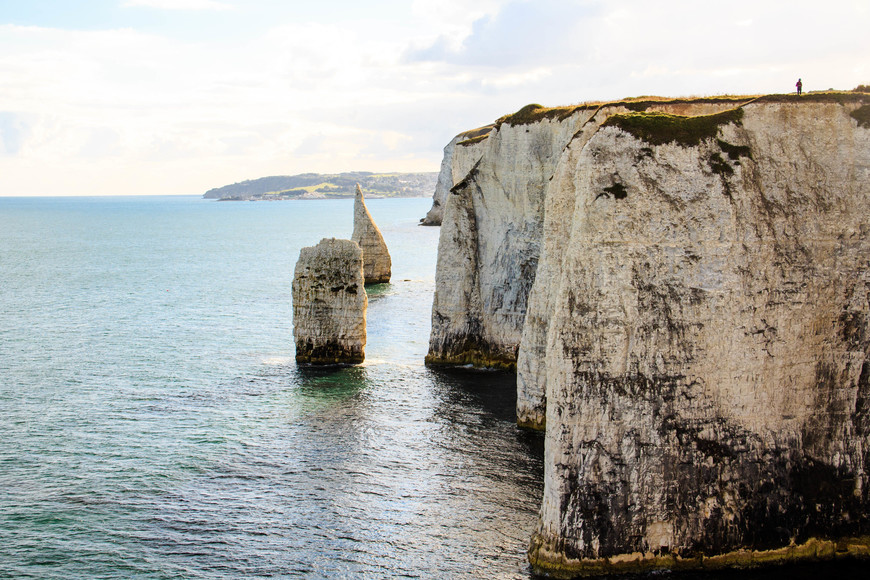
(153, 423)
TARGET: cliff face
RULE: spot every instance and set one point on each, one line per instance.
(706, 365)
(490, 242)
(329, 304)
(493, 229)
(460, 155)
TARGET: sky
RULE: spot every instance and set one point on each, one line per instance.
(167, 97)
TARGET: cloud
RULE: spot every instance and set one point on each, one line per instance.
(178, 4)
(161, 110)
(14, 130)
(522, 32)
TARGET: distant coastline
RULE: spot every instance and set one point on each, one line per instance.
(327, 186)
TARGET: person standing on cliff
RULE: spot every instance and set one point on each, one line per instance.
(799, 86)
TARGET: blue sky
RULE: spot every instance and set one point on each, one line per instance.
(178, 96)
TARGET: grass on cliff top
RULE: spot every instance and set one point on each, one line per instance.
(479, 132)
(672, 128)
(661, 128)
(535, 112)
(838, 97)
(473, 140)
(475, 135)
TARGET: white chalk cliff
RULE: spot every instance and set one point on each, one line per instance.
(377, 264)
(460, 155)
(329, 304)
(687, 299)
(493, 229)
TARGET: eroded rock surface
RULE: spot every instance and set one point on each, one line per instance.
(329, 304)
(377, 264)
(460, 155)
(706, 360)
(492, 233)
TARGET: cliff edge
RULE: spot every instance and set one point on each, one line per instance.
(460, 155)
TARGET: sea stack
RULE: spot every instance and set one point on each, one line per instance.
(377, 264)
(329, 304)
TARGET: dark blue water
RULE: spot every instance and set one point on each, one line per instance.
(153, 423)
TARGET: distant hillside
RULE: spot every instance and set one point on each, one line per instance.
(333, 185)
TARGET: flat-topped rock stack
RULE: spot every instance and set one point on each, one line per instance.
(329, 304)
(377, 265)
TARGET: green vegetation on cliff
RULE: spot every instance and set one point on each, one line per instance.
(862, 115)
(475, 135)
(333, 185)
(661, 128)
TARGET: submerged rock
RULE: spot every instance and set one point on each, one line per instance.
(377, 264)
(329, 304)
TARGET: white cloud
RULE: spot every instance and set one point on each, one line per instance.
(179, 4)
(152, 113)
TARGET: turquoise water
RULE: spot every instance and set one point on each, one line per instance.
(153, 423)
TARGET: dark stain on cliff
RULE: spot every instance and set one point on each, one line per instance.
(720, 167)
(862, 115)
(330, 352)
(852, 325)
(776, 493)
(661, 128)
(734, 152)
(617, 191)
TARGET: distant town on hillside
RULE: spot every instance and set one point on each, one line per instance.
(325, 186)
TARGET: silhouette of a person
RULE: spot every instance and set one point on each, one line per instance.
(799, 86)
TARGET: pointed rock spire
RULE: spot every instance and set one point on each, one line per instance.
(377, 264)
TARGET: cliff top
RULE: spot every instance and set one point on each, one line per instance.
(659, 128)
(534, 112)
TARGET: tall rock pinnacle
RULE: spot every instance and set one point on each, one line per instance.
(376, 259)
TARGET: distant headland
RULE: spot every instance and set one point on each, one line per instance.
(327, 186)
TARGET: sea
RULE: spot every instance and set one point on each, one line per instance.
(154, 424)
